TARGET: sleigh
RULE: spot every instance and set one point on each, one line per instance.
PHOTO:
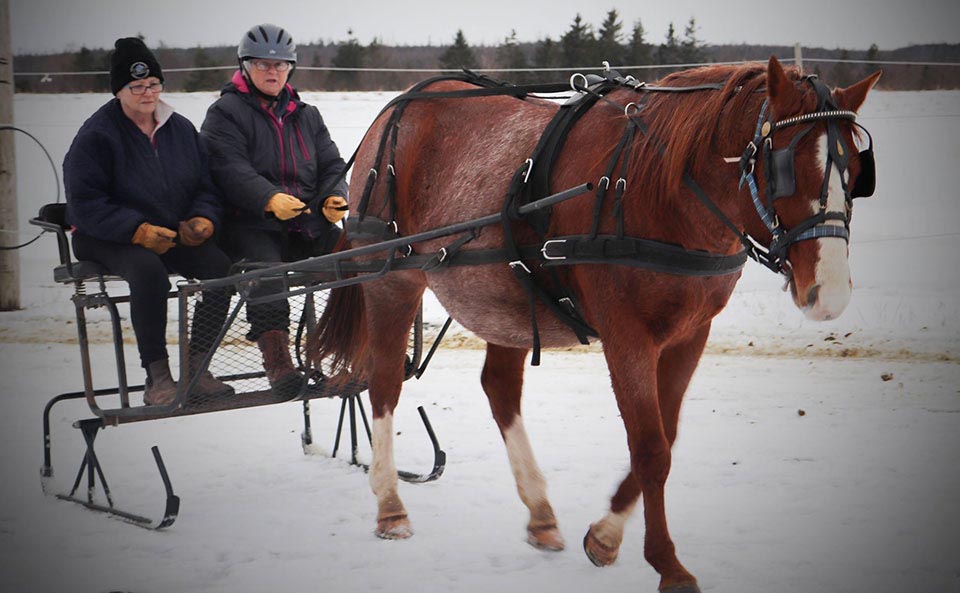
(236, 361)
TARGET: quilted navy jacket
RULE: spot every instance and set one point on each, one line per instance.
(116, 177)
(256, 153)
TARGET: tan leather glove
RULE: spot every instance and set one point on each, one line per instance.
(285, 206)
(157, 239)
(334, 209)
(195, 231)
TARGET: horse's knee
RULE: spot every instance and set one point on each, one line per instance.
(652, 466)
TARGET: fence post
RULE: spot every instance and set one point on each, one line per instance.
(798, 56)
(9, 259)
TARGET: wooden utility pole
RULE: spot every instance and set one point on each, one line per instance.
(9, 226)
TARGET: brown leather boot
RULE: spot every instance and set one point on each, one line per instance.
(160, 389)
(285, 379)
(207, 385)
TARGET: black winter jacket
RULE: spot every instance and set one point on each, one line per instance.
(116, 178)
(254, 154)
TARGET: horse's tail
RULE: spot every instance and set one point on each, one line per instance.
(341, 333)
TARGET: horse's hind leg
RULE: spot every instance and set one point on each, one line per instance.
(502, 380)
(391, 309)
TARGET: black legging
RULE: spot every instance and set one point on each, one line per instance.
(146, 273)
(259, 245)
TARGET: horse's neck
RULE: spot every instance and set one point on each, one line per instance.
(716, 177)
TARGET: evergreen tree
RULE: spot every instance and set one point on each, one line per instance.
(578, 45)
(546, 55)
(202, 80)
(872, 54)
(639, 52)
(459, 55)
(691, 49)
(510, 55)
(84, 61)
(842, 75)
(669, 51)
(609, 40)
(349, 55)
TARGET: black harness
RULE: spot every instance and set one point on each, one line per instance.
(531, 181)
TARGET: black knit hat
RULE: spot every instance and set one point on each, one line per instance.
(131, 60)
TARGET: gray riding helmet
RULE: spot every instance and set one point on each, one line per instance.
(268, 42)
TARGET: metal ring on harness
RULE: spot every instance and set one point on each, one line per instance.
(392, 170)
(529, 164)
(441, 255)
(573, 83)
(373, 173)
(626, 108)
(605, 182)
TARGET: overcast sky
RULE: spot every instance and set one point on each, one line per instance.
(44, 26)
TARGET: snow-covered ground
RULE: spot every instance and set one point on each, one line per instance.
(857, 494)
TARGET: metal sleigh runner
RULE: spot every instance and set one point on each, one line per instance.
(468, 186)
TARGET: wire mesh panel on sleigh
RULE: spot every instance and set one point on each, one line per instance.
(239, 360)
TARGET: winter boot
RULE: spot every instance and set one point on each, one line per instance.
(160, 389)
(207, 385)
(285, 380)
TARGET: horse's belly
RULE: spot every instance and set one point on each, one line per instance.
(488, 301)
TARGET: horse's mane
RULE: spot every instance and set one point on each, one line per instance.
(691, 126)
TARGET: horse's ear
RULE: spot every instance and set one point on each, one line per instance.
(854, 95)
(784, 96)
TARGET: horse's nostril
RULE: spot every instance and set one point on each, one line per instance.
(813, 294)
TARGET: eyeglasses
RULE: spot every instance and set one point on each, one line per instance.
(139, 89)
(266, 66)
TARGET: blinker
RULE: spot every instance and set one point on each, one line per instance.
(866, 182)
(780, 171)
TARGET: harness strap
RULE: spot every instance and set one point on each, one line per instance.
(639, 253)
(575, 250)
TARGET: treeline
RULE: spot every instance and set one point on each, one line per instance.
(626, 47)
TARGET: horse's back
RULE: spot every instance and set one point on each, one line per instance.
(455, 159)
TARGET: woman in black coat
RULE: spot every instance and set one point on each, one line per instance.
(281, 176)
(142, 204)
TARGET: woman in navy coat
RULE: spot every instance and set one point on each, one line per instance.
(142, 204)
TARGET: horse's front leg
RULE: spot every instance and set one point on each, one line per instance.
(634, 374)
(502, 381)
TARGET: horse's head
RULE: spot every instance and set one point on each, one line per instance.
(809, 171)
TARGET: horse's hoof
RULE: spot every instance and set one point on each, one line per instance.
(598, 552)
(682, 588)
(546, 537)
(395, 527)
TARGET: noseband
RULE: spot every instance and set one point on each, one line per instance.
(780, 178)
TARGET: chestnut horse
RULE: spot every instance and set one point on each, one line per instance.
(454, 162)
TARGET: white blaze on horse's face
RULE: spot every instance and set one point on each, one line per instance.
(833, 286)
